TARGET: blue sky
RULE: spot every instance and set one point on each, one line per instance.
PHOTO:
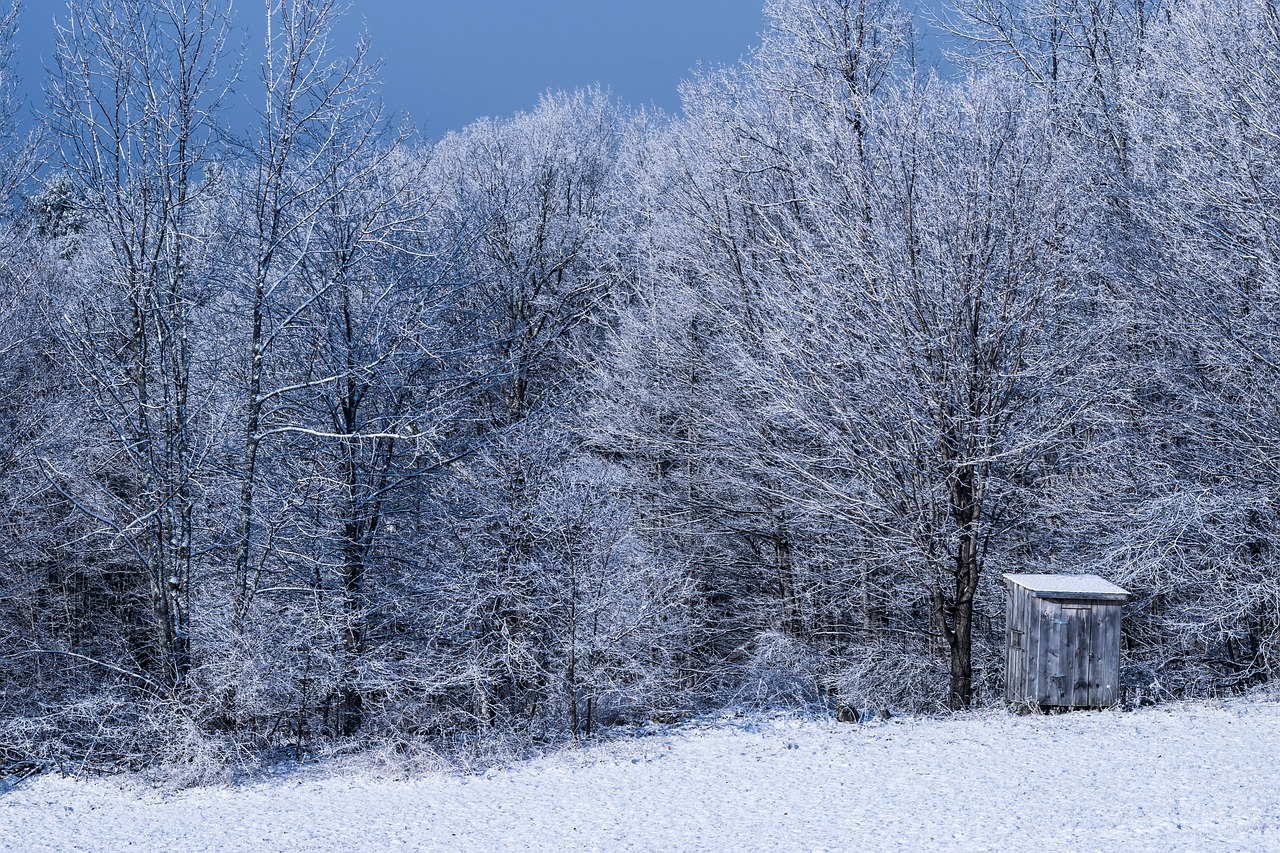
(449, 62)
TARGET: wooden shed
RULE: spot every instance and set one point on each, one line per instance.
(1063, 641)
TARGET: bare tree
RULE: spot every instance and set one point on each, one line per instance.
(22, 150)
(961, 350)
(1205, 401)
(736, 190)
(133, 105)
(890, 333)
(537, 194)
(315, 103)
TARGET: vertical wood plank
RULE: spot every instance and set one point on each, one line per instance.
(1079, 618)
(1069, 626)
(1109, 655)
(1010, 626)
(1102, 666)
(1035, 654)
(1025, 686)
(1055, 657)
(1018, 656)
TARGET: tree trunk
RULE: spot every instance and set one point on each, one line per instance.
(249, 464)
(966, 504)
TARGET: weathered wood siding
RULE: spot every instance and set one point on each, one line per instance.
(1061, 652)
(1017, 646)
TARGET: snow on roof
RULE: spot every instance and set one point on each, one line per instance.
(1071, 586)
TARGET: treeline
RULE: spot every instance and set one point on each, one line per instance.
(318, 436)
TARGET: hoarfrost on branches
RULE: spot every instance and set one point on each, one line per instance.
(327, 438)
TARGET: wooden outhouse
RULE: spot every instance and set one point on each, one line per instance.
(1063, 641)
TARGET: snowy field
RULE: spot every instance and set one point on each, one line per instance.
(1200, 776)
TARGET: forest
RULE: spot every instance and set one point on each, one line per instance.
(317, 437)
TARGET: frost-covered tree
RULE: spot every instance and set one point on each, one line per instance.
(1205, 120)
(880, 282)
(538, 197)
(133, 105)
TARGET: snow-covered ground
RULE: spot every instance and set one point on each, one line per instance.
(1198, 776)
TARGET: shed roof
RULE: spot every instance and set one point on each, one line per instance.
(1070, 586)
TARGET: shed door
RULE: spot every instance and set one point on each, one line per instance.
(1018, 679)
(1068, 679)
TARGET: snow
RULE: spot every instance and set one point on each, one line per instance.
(1079, 586)
(1196, 776)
